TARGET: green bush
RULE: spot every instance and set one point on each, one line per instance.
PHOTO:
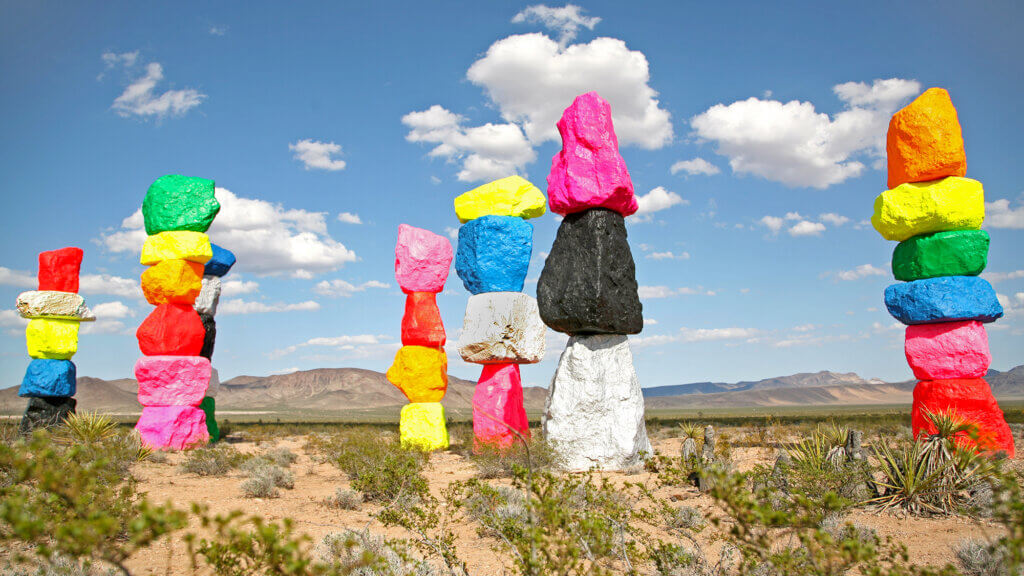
(345, 499)
(379, 468)
(212, 460)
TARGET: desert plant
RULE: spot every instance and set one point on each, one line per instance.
(687, 517)
(361, 553)
(282, 457)
(495, 462)
(86, 428)
(379, 468)
(981, 558)
(212, 460)
(345, 499)
(265, 478)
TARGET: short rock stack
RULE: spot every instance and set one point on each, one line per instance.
(936, 214)
(206, 305)
(173, 375)
(502, 327)
(420, 370)
(595, 409)
(54, 313)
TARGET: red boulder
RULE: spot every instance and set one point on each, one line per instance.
(58, 269)
(421, 324)
(171, 330)
(972, 400)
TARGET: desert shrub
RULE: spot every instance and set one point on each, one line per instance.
(86, 428)
(688, 517)
(212, 460)
(345, 499)
(59, 566)
(494, 462)
(280, 456)
(157, 458)
(265, 478)
(361, 553)
(981, 558)
(379, 468)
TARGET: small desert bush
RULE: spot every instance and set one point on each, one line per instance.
(361, 553)
(494, 462)
(981, 558)
(345, 499)
(265, 478)
(280, 456)
(687, 517)
(212, 460)
(379, 467)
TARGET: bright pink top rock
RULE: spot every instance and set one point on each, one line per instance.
(498, 406)
(172, 380)
(422, 260)
(947, 350)
(589, 172)
(172, 427)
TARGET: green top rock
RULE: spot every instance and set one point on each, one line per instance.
(954, 253)
(179, 203)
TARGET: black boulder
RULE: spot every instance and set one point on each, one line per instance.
(211, 335)
(45, 412)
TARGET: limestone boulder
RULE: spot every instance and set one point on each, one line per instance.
(171, 330)
(172, 380)
(422, 260)
(220, 261)
(502, 327)
(499, 418)
(494, 254)
(969, 399)
(421, 323)
(209, 295)
(177, 245)
(172, 427)
(177, 202)
(947, 350)
(420, 372)
(46, 412)
(924, 141)
(49, 378)
(209, 335)
(422, 426)
(954, 253)
(172, 281)
(945, 299)
(53, 304)
(214, 388)
(59, 269)
(209, 408)
(52, 338)
(511, 196)
(916, 208)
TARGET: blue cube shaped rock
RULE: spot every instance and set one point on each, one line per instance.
(221, 262)
(494, 254)
(943, 299)
(48, 378)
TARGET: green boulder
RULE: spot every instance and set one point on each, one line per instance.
(207, 406)
(179, 203)
(953, 253)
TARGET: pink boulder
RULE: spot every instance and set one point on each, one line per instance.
(947, 350)
(589, 172)
(172, 380)
(172, 427)
(498, 406)
(422, 260)
(970, 399)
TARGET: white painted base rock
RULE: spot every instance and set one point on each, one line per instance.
(53, 304)
(594, 415)
(502, 327)
(209, 296)
(214, 386)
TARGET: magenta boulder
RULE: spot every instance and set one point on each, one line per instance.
(498, 412)
(172, 427)
(172, 380)
(948, 350)
(422, 260)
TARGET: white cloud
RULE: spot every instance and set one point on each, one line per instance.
(694, 167)
(239, 306)
(359, 344)
(804, 328)
(653, 292)
(1003, 276)
(109, 316)
(565, 21)
(668, 256)
(238, 286)
(656, 200)
(126, 59)
(140, 98)
(773, 223)
(862, 271)
(807, 228)
(349, 218)
(218, 30)
(1000, 215)
(339, 288)
(17, 278)
(793, 216)
(714, 334)
(10, 318)
(650, 322)
(1012, 305)
(267, 238)
(795, 145)
(452, 232)
(317, 155)
(112, 285)
(833, 218)
(112, 310)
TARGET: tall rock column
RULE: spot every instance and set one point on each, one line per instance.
(173, 376)
(420, 369)
(936, 214)
(54, 313)
(595, 409)
(206, 305)
(502, 327)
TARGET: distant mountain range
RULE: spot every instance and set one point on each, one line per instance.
(334, 392)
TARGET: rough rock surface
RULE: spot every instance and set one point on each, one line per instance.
(179, 203)
(48, 378)
(947, 350)
(179, 245)
(172, 281)
(171, 330)
(172, 380)
(936, 206)
(421, 323)
(588, 284)
(502, 327)
(595, 409)
(172, 427)
(494, 254)
(209, 295)
(498, 411)
(955, 253)
(58, 269)
(924, 141)
(53, 304)
(209, 335)
(422, 426)
(972, 400)
(45, 412)
(945, 299)
(511, 196)
(422, 259)
(209, 408)
(214, 387)
(220, 262)
(52, 338)
(421, 373)
(589, 172)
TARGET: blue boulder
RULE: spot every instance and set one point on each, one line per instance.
(48, 378)
(221, 262)
(494, 254)
(943, 299)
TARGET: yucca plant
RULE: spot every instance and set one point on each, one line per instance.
(811, 453)
(833, 434)
(909, 480)
(692, 431)
(87, 428)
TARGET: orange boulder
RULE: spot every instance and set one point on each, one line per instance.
(421, 373)
(924, 140)
(172, 281)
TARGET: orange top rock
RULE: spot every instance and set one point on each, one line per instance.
(924, 140)
(420, 372)
(172, 281)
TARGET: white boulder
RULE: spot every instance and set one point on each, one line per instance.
(209, 296)
(502, 327)
(53, 304)
(214, 386)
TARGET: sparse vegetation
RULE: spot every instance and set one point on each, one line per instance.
(378, 467)
(345, 499)
(212, 460)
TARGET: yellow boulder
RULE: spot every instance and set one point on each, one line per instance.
(511, 196)
(52, 338)
(915, 208)
(172, 282)
(177, 245)
(422, 426)
(420, 372)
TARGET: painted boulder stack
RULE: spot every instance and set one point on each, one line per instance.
(54, 313)
(206, 305)
(420, 369)
(502, 327)
(594, 414)
(935, 214)
(174, 375)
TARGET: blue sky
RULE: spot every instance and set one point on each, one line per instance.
(751, 133)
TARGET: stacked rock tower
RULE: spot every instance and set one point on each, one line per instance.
(502, 327)
(206, 305)
(173, 375)
(595, 409)
(420, 369)
(54, 313)
(936, 214)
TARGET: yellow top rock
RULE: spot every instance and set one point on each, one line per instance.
(420, 372)
(176, 245)
(916, 208)
(52, 338)
(512, 196)
(422, 427)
